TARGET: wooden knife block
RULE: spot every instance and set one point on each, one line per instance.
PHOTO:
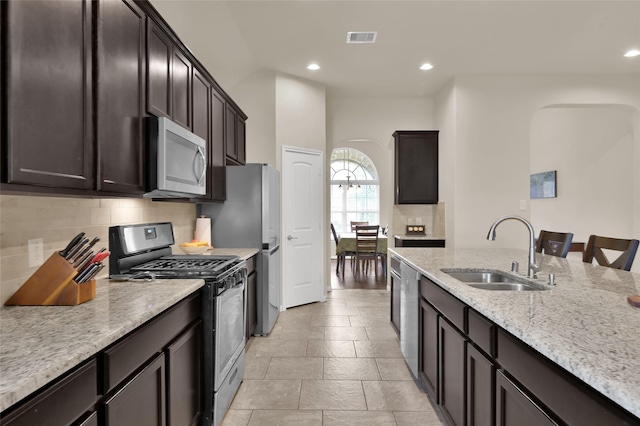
(53, 284)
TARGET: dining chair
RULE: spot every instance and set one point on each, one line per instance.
(354, 224)
(366, 247)
(596, 244)
(554, 243)
(341, 256)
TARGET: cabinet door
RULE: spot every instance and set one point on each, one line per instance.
(141, 401)
(514, 408)
(181, 89)
(201, 99)
(159, 53)
(252, 307)
(452, 373)
(184, 378)
(241, 140)
(120, 65)
(49, 128)
(429, 348)
(230, 136)
(416, 167)
(480, 389)
(217, 188)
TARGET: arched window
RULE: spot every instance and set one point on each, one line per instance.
(355, 189)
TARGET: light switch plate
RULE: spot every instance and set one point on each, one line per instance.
(36, 255)
(523, 204)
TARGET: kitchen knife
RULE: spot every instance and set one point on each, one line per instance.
(82, 262)
(64, 253)
(84, 250)
(100, 256)
(94, 272)
(82, 276)
(76, 248)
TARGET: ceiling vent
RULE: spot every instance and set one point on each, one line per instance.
(362, 37)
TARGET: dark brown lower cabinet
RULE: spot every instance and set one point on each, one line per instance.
(513, 407)
(480, 385)
(184, 378)
(452, 373)
(428, 365)
(92, 420)
(141, 401)
(61, 404)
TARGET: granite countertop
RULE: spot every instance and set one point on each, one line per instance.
(39, 343)
(584, 324)
(243, 253)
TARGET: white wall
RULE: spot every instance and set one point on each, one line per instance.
(367, 124)
(493, 118)
(592, 150)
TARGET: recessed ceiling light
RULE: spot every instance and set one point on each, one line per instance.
(426, 67)
(632, 53)
(313, 67)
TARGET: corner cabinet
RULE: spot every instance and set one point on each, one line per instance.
(235, 135)
(416, 167)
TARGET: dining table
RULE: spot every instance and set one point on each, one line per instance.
(347, 244)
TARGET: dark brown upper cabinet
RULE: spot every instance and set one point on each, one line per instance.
(416, 167)
(235, 135)
(168, 78)
(217, 184)
(120, 96)
(48, 94)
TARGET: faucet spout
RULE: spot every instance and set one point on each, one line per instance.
(533, 266)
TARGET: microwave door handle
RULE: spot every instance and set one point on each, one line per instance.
(204, 164)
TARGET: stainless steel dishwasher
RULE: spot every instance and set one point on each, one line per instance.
(409, 316)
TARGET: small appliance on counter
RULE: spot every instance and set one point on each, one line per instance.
(250, 218)
(139, 251)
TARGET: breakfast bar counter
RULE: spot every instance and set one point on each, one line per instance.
(583, 323)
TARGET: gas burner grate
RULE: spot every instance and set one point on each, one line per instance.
(189, 265)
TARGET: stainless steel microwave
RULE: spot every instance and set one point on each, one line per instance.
(176, 160)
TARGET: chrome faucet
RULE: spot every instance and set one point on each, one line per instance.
(533, 266)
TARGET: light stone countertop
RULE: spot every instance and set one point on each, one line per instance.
(39, 343)
(584, 324)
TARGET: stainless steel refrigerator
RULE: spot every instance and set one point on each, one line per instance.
(250, 217)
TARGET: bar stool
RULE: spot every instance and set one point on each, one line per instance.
(597, 243)
(554, 243)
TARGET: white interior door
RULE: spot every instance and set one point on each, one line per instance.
(302, 242)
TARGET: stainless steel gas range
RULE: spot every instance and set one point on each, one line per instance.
(144, 252)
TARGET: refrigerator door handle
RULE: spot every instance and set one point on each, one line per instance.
(273, 250)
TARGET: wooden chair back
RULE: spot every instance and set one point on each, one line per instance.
(554, 243)
(335, 234)
(367, 240)
(354, 224)
(595, 247)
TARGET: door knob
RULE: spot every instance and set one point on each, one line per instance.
(289, 237)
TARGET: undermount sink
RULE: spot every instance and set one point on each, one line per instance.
(490, 279)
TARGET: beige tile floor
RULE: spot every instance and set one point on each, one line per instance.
(329, 364)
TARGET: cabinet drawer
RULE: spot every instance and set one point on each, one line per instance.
(481, 331)
(130, 353)
(251, 265)
(571, 400)
(62, 403)
(448, 305)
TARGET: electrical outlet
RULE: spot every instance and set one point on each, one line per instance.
(36, 255)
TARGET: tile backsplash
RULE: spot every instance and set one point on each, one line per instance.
(429, 215)
(56, 220)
